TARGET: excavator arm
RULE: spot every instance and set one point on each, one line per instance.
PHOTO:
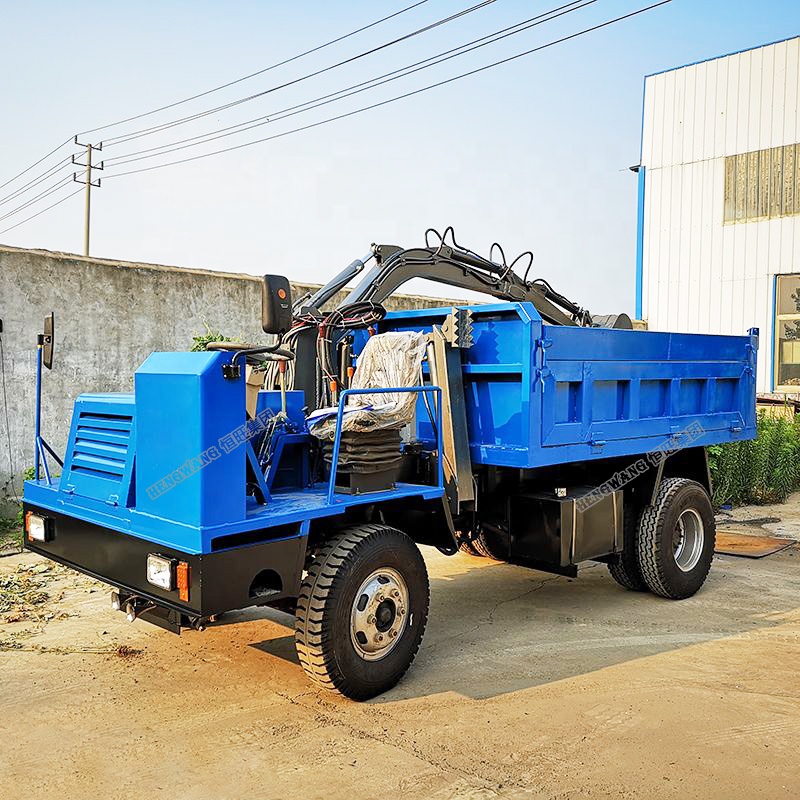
(317, 336)
(465, 270)
(451, 264)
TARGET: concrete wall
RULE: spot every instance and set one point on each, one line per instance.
(110, 316)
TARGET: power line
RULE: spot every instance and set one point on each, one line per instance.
(357, 88)
(398, 97)
(201, 94)
(116, 140)
(552, 43)
(57, 167)
(35, 163)
(69, 161)
(40, 196)
(38, 213)
(259, 72)
(37, 180)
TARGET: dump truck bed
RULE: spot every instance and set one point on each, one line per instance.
(540, 395)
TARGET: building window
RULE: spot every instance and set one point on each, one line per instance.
(762, 184)
(787, 334)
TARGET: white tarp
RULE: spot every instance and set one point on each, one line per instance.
(387, 360)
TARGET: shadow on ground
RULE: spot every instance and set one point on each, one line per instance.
(496, 628)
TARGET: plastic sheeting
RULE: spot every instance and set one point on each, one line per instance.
(387, 360)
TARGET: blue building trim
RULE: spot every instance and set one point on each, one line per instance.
(724, 55)
(640, 243)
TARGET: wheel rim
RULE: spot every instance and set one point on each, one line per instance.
(687, 541)
(379, 614)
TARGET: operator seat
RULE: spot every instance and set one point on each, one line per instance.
(392, 359)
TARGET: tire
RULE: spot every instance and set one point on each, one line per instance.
(361, 648)
(466, 544)
(489, 544)
(676, 539)
(625, 571)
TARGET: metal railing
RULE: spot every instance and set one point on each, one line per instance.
(337, 437)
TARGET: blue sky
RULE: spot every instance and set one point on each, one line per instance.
(532, 154)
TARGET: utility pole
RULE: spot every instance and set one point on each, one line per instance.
(90, 148)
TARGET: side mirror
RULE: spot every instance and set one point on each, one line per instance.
(276, 304)
(47, 340)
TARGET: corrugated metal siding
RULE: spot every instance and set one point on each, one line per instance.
(698, 273)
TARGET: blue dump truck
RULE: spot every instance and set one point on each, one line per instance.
(302, 473)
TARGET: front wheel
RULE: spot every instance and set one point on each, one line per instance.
(362, 610)
(676, 539)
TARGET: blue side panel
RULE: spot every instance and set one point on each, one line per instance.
(270, 401)
(609, 392)
(502, 405)
(187, 411)
(99, 459)
(285, 508)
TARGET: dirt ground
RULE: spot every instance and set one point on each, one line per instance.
(527, 685)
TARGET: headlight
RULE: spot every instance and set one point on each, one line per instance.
(38, 527)
(160, 571)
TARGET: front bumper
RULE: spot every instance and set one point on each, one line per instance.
(251, 575)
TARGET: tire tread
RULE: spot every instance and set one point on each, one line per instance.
(625, 570)
(325, 572)
(651, 532)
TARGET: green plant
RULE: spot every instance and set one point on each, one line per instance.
(201, 340)
(11, 532)
(763, 470)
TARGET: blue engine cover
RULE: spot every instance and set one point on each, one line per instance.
(186, 412)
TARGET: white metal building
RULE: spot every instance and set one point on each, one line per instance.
(719, 203)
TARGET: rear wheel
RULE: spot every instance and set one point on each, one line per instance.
(491, 544)
(362, 611)
(676, 539)
(466, 544)
(625, 570)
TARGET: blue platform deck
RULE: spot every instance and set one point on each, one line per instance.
(284, 508)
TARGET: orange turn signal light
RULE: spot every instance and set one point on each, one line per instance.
(182, 580)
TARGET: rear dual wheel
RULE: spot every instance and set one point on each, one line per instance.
(625, 570)
(676, 539)
(484, 544)
(466, 543)
(668, 550)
